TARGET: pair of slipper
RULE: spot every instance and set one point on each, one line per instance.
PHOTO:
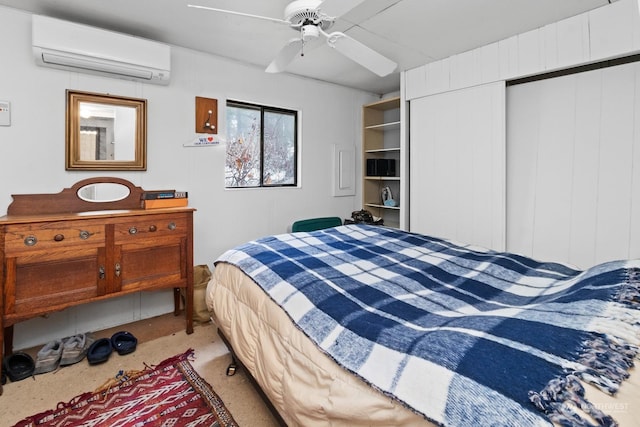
(122, 342)
(17, 366)
(66, 351)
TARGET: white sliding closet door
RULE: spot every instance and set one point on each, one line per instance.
(457, 165)
(573, 167)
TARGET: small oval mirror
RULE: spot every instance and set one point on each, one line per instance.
(102, 192)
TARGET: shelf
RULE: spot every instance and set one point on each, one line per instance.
(384, 126)
(379, 206)
(383, 150)
(381, 141)
(385, 104)
(382, 178)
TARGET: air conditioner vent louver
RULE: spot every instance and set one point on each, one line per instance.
(70, 46)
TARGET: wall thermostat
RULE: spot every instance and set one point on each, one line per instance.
(5, 113)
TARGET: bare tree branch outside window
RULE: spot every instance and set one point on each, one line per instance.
(261, 146)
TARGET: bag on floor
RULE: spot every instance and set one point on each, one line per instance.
(201, 277)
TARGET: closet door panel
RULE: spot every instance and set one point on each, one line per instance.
(457, 159)
(521, 168)
(616, 154)
(634, 244)
(429, 175)
(573, 156)
(584, 198)
(555, 145)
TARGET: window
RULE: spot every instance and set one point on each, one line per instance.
(262, 146)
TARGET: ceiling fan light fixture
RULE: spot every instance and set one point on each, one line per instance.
(309, 32)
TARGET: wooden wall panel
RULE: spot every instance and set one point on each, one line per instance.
(573, 41)
(489, 59)
(530, 53)
(611, 29)
(603, 33)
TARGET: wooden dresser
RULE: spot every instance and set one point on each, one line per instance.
(58, 251)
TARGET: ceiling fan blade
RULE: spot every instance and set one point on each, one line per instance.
(285, 56)
(361, 54)
(280, 21)
(337, 8)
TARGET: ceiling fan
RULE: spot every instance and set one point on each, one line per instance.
(312, 18)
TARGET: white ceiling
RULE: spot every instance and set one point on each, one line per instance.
(410, 32)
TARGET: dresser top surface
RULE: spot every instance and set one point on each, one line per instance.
(23, 219)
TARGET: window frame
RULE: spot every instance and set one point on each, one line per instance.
(270, 109)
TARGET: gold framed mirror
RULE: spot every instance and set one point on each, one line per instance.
(105, 132)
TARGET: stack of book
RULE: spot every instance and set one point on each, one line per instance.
(164, 199)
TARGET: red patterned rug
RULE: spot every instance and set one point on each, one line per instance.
(169, 394)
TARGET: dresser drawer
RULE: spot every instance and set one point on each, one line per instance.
(21, 238)
(150, 227)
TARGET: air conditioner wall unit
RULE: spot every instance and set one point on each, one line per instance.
(67, 45)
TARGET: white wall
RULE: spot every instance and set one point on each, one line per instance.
(32, 156)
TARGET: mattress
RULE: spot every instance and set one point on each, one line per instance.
(307, 387)
(304, 385)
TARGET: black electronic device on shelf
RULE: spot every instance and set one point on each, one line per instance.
(381, 167)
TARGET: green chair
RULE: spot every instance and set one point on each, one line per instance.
(315, 224)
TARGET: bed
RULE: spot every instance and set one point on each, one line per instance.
(365, 325)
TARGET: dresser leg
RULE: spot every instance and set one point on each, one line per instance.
(8, 340)
(176, 301)
(6, 344)
(188, 306)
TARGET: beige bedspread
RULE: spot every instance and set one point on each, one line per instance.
(307, 387)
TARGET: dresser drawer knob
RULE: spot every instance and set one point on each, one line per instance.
(152, 228)
(30, 240)
(58, 237)
(133, 230)
(84, 234)
(172, 226)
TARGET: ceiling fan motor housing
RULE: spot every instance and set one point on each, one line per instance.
(305, 12)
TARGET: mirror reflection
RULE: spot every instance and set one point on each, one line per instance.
(105, 132)
(103, 192)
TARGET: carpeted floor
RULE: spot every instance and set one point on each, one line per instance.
(43, 392)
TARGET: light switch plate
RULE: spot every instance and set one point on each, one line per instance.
(5, 113)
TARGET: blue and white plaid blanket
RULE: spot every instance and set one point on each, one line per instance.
(461, 335)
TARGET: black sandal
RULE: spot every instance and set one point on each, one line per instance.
(18, 366)
(124, 342)
(99, 351)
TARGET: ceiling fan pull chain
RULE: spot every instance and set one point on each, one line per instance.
(304, 42)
